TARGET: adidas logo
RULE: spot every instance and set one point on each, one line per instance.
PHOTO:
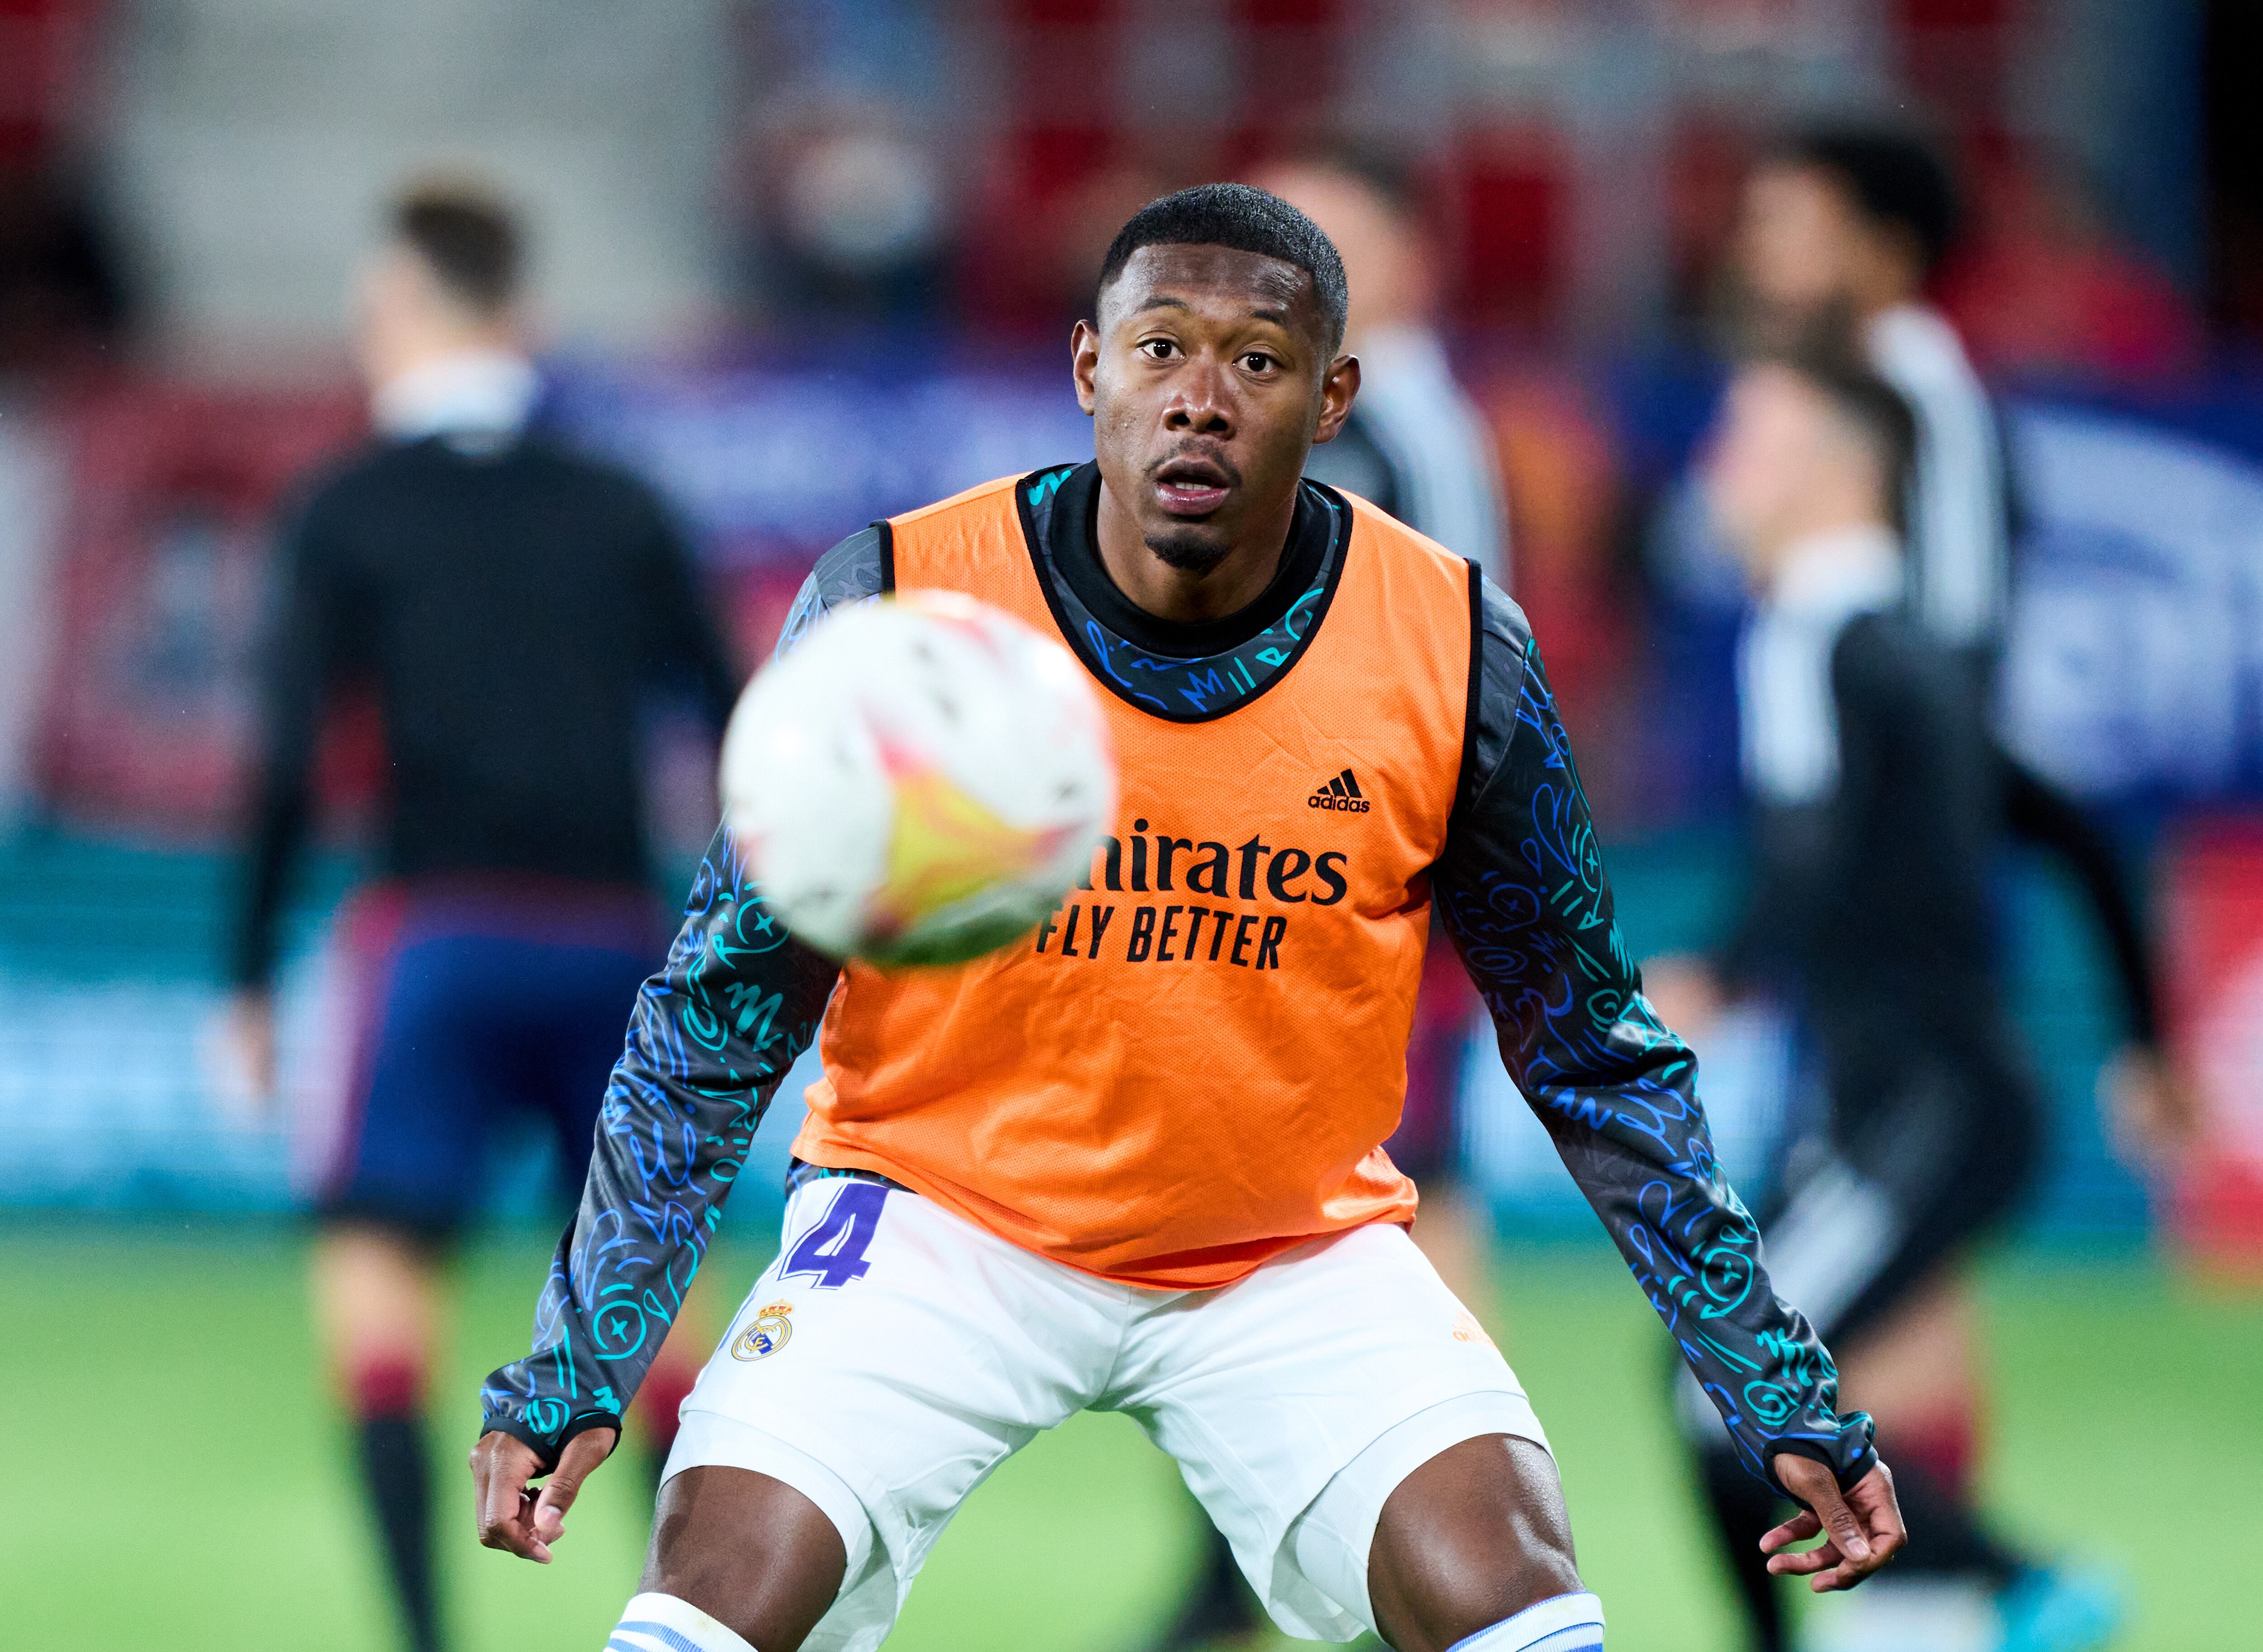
(1341, 793)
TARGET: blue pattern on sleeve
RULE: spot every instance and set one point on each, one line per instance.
(710, 1038)
(712, 1035)
(1522, 892)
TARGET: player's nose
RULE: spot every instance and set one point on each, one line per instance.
(1201, 400)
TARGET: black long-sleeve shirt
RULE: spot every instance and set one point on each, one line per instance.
(1871, 897)
(1522, 892)
(510, 609)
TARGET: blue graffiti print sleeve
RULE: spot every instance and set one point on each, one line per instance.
(712, 1035)
(1520, 889)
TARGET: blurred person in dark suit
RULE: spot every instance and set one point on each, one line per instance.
(1875, 788)
(510, 606)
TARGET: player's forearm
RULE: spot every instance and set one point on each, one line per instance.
(1636, 1143)
(1523, 894)
(278, 827)
(299, 651)
(710, 1037)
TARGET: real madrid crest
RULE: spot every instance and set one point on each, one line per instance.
(771, 1330)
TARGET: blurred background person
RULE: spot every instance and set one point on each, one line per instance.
(1416, 445)
(1843, 227)
(1844, 231)
(1872, 780)
(510, 606)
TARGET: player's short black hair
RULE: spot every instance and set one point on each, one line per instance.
(1875, 410)
(1896, 179)
(467, 236)
(1247, 219)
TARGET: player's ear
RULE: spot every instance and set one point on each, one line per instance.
(1339, 387)
(1084, 361)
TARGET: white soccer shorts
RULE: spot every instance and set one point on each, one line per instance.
(895, 1354)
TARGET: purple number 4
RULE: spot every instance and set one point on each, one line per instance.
(833, 1252)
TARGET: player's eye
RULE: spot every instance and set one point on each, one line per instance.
(1257, 361)
(1158, 349)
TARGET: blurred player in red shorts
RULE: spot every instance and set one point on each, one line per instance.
(510, 606)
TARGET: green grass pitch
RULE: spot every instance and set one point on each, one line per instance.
(172, 1476)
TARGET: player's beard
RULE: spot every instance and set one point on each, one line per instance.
(1190, 550)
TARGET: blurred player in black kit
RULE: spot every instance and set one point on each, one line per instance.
(510, 606)
(1876, 789)
(1844, 227)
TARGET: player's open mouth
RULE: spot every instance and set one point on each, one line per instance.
(1192, 487)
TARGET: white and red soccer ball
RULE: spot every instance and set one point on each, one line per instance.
(920, 780)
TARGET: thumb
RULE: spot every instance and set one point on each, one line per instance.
(1840, 1523)
(583, 1453)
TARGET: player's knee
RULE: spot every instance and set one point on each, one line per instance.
(388, 1384)
(1469, 1541)
(1477, 1598)
(750, 1551)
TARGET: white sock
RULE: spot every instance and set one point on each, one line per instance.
(1563, 1623)
(662, 1623)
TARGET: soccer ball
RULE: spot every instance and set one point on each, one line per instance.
(919, 781)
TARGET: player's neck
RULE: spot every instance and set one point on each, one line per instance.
(1876, 292)
(1183, 596)
(1832, 551)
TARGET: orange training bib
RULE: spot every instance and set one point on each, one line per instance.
(1191, 1067)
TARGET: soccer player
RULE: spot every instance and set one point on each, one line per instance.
(1845, 226)
(1414, 446)
(1874, 790)
(1134, 1163)
(510, 606)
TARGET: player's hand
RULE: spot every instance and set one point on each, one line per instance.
(240, 1056)
(1860, 1531)
(2152, 1116)
(513, 1514)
